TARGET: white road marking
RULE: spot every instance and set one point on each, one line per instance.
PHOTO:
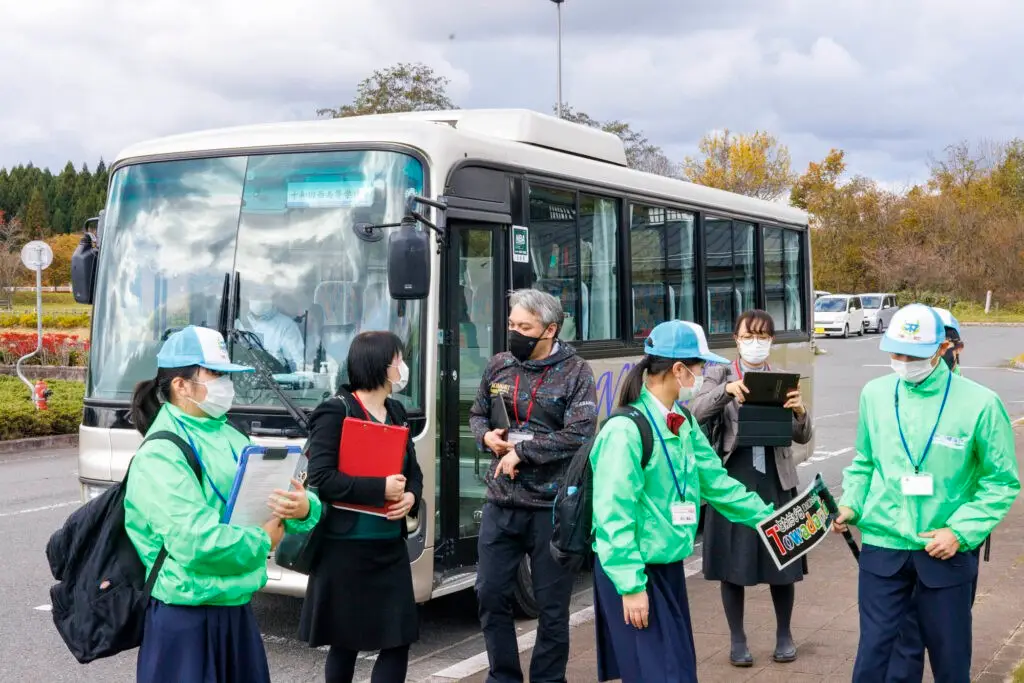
(826, 417)
(44, 608)
(966, 367)
(819, 456)
(40, 509)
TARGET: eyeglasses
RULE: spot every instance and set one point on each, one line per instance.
(752, 337)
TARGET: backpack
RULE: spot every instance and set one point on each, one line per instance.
(714, 430)
(100, 600)
(573, 509)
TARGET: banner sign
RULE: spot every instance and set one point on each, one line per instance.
(795, 529)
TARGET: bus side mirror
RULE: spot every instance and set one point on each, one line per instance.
(409, 262)
(83, 270)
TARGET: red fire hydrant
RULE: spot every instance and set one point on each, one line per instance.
(39, 395)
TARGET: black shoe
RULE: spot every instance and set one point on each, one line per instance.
(784, 654)
(739, 656)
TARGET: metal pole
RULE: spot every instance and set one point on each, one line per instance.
(558, 4)
(39, 326)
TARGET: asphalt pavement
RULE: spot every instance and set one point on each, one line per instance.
(40, 489)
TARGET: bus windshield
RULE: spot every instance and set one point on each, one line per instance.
(280, 229)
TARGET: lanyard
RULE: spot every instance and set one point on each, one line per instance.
(201, 465)
(681, 490)
(739, 371)
(928, 446)
(533, 398)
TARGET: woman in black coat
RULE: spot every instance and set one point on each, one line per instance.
(360, 594)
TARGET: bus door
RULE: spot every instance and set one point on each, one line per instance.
(473, 326)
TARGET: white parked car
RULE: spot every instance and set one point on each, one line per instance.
(879, 308)
(841, 314)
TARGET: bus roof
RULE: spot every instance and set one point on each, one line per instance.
(519, 138)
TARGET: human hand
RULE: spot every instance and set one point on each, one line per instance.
(402, 508)
(636, 609)
(394, 488)
(494, 440)
(795, 403)
(943, 545)
(290, 504)
(274, 529)
(507, 465)
(839, 525)
(737, 389)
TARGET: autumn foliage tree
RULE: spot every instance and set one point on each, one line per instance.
(399, 88)
(754, 164)
(641, 153)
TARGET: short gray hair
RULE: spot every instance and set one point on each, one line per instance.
(541, 304)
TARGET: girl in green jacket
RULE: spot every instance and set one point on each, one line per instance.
(645, 519)
(199, 624)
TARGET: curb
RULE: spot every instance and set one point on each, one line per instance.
(16, 446)
(983, 324)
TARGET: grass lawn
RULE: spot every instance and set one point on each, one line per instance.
(969, 312)
(53, 302)
(1018, 673)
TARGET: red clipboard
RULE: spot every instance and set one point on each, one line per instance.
(370, 449)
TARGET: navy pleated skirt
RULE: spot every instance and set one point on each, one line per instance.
(201, 645)
(661, 653)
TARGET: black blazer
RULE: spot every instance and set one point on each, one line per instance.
(336, 487)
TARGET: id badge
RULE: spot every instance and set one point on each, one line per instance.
(519, 437)
(684, 514)
(917, 485)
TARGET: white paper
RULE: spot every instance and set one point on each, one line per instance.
(262, 476)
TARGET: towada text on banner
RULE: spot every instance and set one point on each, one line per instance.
(795, 529)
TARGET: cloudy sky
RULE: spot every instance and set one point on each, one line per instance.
(889, 81)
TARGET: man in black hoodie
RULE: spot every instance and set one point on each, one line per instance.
(547, 395)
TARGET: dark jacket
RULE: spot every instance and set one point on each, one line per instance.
(336, 487)
(563, 419)
(714, 400)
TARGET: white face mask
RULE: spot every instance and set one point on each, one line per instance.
(403, 378)
(220, 394)
(755, 351)
(913, 372)
(687, 393)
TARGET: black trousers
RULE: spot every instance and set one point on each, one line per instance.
(506, 536)
(893, 582)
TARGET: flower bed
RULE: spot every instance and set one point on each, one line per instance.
(56, 321)
(19, 418)
(58, 349)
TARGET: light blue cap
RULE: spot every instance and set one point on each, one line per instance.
(948, 320)
(680, 339)
(197, 346)
(916, 330)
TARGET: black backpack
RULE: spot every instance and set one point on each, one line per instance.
(714, 429)
(100, 600)
(573, 509)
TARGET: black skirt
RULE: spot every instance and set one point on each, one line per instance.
(360, 596)
(733, 552)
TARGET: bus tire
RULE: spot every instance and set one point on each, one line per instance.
(525, 603)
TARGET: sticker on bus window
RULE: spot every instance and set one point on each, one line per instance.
(520, 244)
(332, 194)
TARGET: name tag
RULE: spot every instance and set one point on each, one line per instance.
(684, 514)
(917, 485)
(519, 437)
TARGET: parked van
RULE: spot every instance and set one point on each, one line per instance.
(818, 293)
(840, 314)
(878, 311)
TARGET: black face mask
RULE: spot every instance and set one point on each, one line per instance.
(950, 358)
(521, 346)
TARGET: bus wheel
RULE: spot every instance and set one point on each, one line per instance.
(525, 602)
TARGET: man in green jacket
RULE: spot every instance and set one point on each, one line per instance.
(935, 472)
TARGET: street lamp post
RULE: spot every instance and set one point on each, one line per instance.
(558, 5)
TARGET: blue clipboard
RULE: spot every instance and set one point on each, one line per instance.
(287, 457)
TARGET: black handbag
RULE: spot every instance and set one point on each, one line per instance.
(298, 552)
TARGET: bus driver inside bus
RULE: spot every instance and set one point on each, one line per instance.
(279, 333)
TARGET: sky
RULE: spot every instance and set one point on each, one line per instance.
(891, 82)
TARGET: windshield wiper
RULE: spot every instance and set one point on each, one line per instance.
(251, 342)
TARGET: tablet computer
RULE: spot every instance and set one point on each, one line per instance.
(770, 388)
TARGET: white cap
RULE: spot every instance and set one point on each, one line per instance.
(916, 330)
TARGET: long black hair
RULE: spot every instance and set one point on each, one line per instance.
(648, 365)
(150, 395)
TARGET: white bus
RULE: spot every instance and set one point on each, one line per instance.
(197, 227)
